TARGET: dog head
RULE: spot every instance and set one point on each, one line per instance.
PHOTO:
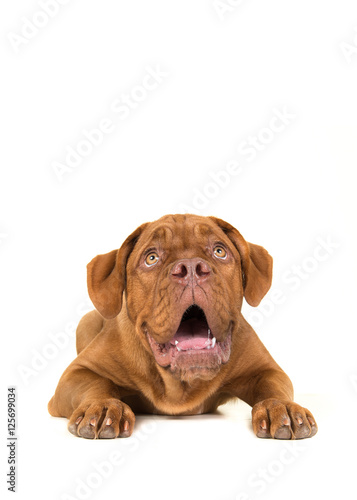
(184, 278)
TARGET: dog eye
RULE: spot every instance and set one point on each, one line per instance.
(220, 252)
(151, 259)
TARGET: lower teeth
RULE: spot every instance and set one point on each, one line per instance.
(192, 349)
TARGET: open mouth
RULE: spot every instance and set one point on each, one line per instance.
(194, 345)
(193, 332)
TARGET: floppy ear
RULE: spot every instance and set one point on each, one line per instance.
(257, 264)
(106, 277)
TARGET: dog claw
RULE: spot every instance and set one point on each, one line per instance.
(282, 420)
(109, 421)
(93, 422)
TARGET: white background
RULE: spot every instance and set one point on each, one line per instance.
(228, 71)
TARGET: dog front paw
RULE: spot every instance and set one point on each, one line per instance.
(105, 419)
(277, 419)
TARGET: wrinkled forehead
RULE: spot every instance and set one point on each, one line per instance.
(180, 233)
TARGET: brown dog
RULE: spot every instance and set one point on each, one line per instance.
(168, 336)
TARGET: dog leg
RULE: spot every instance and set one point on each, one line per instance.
(92, 404)
(274, 413)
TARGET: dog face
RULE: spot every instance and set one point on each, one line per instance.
(184, 279)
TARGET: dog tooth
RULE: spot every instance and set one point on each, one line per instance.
(209, 332)
(176, 342)
(213, 342)
(178, 348)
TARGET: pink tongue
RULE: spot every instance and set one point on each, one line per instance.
(192, 334)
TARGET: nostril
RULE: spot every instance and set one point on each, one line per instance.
(180, 271)
(202, 270)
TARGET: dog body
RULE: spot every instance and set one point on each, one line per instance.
(168, 336)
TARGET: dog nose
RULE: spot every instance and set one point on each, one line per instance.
(187, 270)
